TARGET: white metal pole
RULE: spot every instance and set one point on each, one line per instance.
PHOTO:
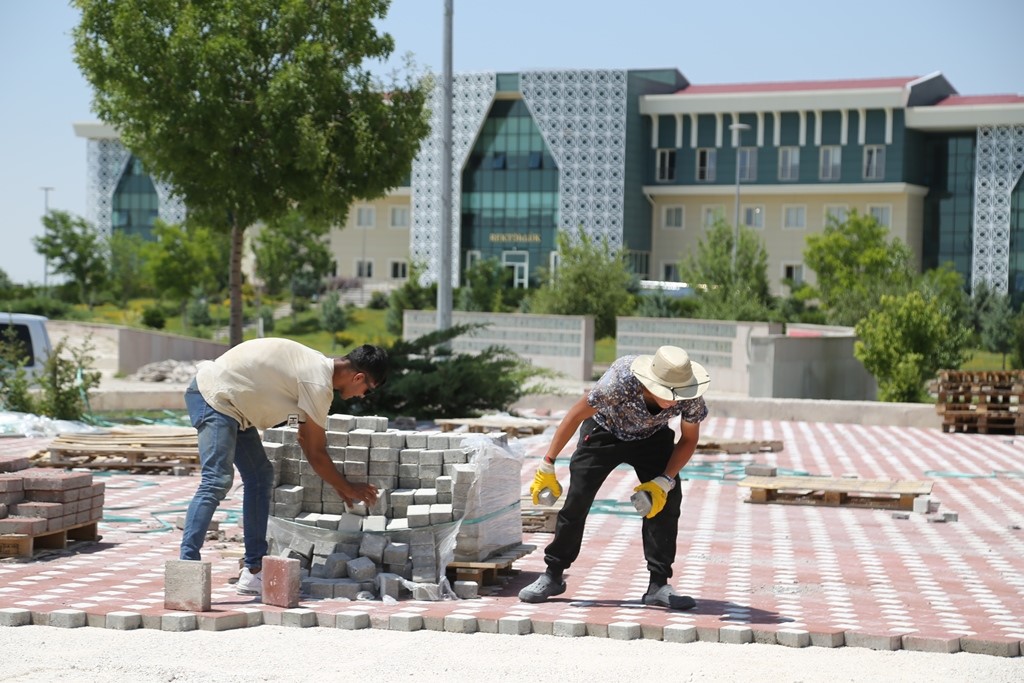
(444, 252)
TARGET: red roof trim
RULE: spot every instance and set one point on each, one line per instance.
(797, 86)
(968, 100)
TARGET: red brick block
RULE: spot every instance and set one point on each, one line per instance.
(12, 497)
(281, 581)
(30, 526)
(69, 496)
(33, 509)
(40, 479)
(98, 488)
(10, 483)
(14, 463)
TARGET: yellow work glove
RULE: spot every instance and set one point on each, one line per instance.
(545, 479)
(657, 489)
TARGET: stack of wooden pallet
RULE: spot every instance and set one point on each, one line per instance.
(127, 447)
(981, 402)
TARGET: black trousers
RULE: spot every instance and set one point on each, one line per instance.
(597, 453)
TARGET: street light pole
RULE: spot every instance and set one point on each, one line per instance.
(737, 130)
(444, 278)
(46, 212)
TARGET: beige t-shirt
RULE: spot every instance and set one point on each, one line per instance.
(262, 382)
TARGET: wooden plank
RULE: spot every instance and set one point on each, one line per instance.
(838, 484)
(489, 571)
(23, 545)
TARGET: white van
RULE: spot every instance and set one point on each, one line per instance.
(30, 333)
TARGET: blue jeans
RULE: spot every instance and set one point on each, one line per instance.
(222, 447)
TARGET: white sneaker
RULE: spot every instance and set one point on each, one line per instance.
(249, 583)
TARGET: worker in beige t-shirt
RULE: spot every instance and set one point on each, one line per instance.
(259, 384)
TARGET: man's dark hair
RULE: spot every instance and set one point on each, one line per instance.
(372, 360)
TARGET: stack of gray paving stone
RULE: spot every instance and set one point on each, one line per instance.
(437, 493)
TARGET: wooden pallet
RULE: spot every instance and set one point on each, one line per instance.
(871, 493)
(23, 545)
(984, 422)
(125, 448)
(736, 446)
(539, 518)
(490, 571)
(513, 426)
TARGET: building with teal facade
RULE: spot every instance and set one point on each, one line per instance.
(648, 161)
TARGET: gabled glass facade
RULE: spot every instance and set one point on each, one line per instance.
(135, 204)
(510, 191)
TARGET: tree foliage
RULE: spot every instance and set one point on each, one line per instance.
(728, 290)
(249, 109)
(185, 257)
(289, 245)
(413, 296)
(430, 382)
(997, 326)
(75, 249)
(591, 279)
(856, 265)
(905, 341)
(487, 286)
(128, 278)
(332, 316)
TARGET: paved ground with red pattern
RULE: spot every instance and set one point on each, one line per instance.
(769, 573)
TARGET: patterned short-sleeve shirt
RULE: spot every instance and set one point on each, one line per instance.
(619, 401)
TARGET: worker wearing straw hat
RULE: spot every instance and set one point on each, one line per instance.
(625, 420)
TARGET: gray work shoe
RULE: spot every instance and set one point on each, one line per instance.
(542, 589)
(667, 597)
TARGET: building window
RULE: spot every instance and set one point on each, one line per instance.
(789, 163)
(746, 157)
(794, 217)
(399, 270)
(752, 216)
(670, 272)
(364, 269)
(706, 161)
(666, 165)
(672, 217)
(399, 216)
(882, 213)
(711, 215)
(794, 273)
(366, 217)
(831, 161)
(874, 162)
(837, 213)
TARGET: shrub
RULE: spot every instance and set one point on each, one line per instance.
(153, 316)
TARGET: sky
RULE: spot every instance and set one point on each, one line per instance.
(977, 45)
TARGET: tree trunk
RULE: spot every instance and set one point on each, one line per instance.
(235, 283)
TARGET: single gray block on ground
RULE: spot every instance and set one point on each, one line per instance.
(372, 546)
(791, 637)
(179, 622)
(123, 621)
(874, 642)
(515, 626)
(67, 618)
(352, 621)
(569, 628)
(460, 623)
(678, 633)
(405, 621)
(624, 630)
(467, 590)
(14, 616)
(735, 634)
(187, 585)
(298, 618)
(916, 643)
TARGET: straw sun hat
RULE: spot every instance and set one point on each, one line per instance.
(670, 374)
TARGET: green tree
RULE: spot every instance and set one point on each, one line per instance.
(15, 385)
(487, 286)
(65, 381)
(289, 245)
(185, 257)
(997, 326)
(591, 279)
(411, 296)
(855, 265)
(249, 109)
(728, 291)
(332, 316)
(905, 341)
(127, 266)
(75, 249)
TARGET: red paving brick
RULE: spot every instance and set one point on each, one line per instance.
(860, 573)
